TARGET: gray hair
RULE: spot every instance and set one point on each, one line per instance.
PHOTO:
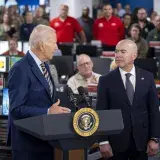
(81, 57)
(40, 34)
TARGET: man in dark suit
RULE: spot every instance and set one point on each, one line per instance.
(32, 93)
(133, 91)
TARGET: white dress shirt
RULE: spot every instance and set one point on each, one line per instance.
(132, 77)
(37, 60)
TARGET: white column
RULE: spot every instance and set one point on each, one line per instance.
(75, 7)
(156, 6)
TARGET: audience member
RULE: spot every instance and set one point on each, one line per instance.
(121, 11)
(86, 23)
(4, 28)
(127, 9)
(126, 21)
(145, 25)
(38, 18)
(109, 29)
(85, 74)
(27, 28)
(13, 45)
(135, 35)
(67, 26)
(152, 17)
(154, 35)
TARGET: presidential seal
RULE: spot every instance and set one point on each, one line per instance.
(85, 122)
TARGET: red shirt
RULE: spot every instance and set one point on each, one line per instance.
(65, 30)
(110, 31)
(21, 54)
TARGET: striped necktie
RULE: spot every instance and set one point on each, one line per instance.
(47, 77)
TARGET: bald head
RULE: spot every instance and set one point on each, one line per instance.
(40, 34)
(84, 65)
(129, 44)
(63, 10)
(82, 58)
(125, 54)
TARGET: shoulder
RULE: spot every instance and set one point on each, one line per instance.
(144, 73)
(109, 76)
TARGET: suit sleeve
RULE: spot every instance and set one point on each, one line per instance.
(153, 107)
(102, 101)
(18, 84)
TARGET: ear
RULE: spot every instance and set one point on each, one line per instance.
(135, 56)
(41, 46)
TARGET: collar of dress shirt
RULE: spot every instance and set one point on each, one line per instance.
(133, 72)
(37, 60)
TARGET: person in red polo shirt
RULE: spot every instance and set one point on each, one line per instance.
(67, 26)
(108, 29)
(13, 45)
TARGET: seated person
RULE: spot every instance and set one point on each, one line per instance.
(85, 74)
(13, 44)
(113, 65)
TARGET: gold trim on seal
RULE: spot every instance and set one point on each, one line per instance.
(85, 122)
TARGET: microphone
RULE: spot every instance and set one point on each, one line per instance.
(71, 97)
(84, 95)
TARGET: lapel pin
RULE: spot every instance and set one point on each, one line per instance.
(142, 78)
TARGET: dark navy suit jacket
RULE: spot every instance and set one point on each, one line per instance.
(141, 118)
(29, 96)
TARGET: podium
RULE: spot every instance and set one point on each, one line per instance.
(61, 133)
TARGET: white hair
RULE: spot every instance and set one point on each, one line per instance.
(40, 34)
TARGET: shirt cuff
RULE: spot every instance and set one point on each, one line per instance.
(48, 111)
(104, 142)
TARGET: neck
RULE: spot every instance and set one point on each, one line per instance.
(135, 38)
(128, 68)
(39, 55)
(88, 75)
(108, 17)
(62, 17)
(13, 51)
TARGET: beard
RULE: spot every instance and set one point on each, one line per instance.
(142, 20)
(85, 16)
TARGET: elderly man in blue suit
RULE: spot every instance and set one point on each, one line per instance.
(132, 90)
(32, 93)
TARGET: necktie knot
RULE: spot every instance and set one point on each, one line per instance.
(42, 65)
(128, 75)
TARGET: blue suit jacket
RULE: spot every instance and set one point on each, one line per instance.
(29, 96)
(141, 118)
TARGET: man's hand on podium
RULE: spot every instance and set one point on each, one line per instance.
(106, 150)
(56, 109)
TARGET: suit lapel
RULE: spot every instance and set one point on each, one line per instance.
(36, 71)
(139, 84)
(121, 87)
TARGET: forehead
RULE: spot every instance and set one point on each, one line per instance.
(134, 28)
(122, 46)
(142, 11)
(84, 59)
(107, 7)
(64, 7)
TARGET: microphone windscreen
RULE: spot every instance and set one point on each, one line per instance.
(80, 90)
